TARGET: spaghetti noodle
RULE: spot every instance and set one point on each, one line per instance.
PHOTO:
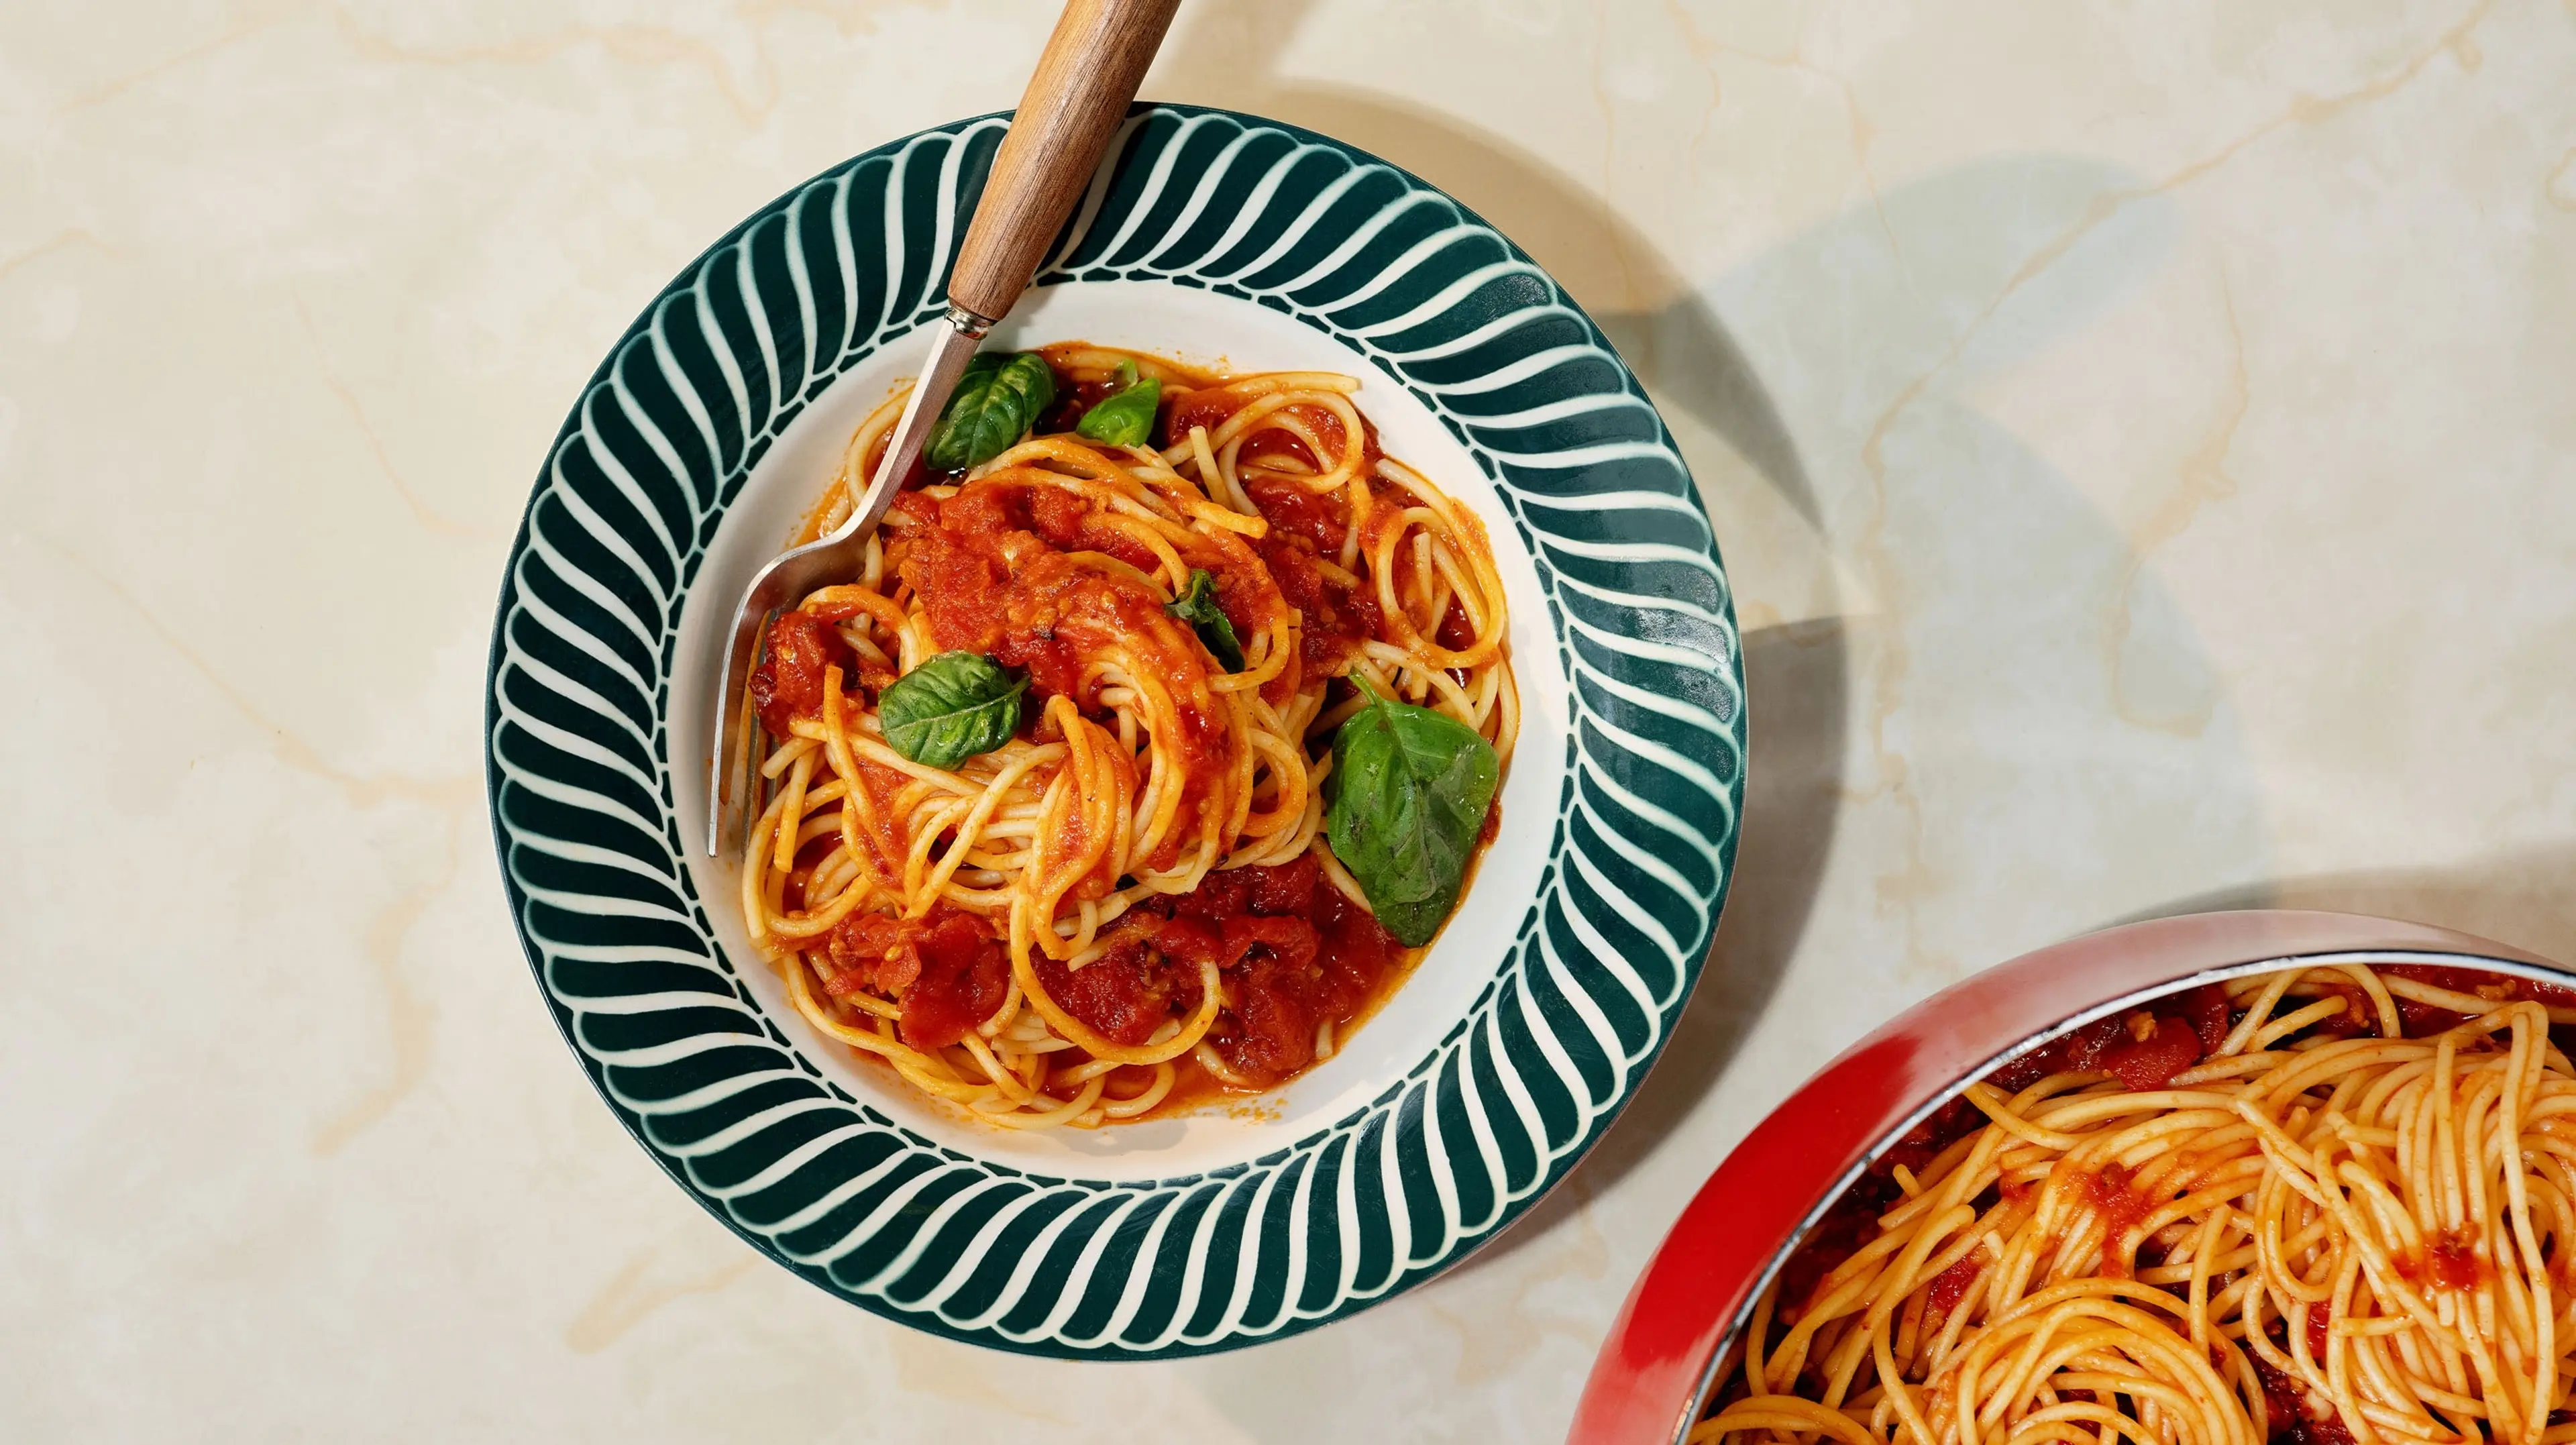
(2334, 1205)
(1128, 905)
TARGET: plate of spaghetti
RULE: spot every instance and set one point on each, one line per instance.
(1246, 827)
(2320, 1196)
(1125, 903)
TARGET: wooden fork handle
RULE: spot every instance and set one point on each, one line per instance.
(1093, 63)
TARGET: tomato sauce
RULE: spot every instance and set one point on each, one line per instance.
(1127, 993)
(2285, 1404)
(1322, 519)
(990, 586)
(1207, 407)
(989, 565)
(2420, 1019)
(1951, 1286)
(2121, 1204)
(788, 682)
(1338, 620)
(1455, 632)
(1271, 444)
(1211, 407)
(1293, 951)
(2145, 1049)
(1293, 954)
(1072, 399)
(949, 970)
(2448, 1260)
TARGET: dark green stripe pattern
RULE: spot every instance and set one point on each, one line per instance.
(581, 784)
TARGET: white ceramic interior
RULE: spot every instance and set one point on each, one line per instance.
(1207, 329)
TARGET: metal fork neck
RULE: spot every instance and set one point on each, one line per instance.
(970, 324)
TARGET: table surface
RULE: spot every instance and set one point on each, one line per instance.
(2142, 441)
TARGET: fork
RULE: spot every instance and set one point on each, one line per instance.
(1088, 73)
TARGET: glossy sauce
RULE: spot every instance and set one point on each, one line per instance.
(1292, 951)
(2420, 1019)
(2285, 1401)
(2120, 1204)
(2143, 1048)
(2448, 1260)
(991, 585)
(1294, 954)
(1951, 1285)
(948, 968)
(989, 564)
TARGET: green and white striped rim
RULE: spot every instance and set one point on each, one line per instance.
(582, 785)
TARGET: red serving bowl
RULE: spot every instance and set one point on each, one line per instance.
(1654, 1373)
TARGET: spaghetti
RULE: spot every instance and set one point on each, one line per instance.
(1129, 904)
(2333, 1205)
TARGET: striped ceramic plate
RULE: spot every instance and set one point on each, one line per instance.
(1217, 237)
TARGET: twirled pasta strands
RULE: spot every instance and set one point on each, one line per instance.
(2381, 1222)
(1175, 773)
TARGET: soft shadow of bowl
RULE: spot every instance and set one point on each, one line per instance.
(2519, 896)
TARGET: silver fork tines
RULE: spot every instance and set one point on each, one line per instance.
(837, 557)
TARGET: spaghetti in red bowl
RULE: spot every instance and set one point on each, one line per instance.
(2220, 1180)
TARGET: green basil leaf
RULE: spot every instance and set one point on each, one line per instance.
(1198, 608)
(1029, 375)
(951, 708)
(1125, 417)
(1405, 800)
(996, 401)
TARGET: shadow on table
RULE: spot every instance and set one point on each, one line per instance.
(2520, 898)
(1796, 678)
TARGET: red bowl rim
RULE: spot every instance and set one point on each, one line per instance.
(1661, 1357)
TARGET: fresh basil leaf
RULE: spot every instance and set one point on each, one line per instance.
(1405, 800)
(1125, 417)
(1197, 607)
(973, 382)
(996, 401)
(1029, 374)
(951, 708)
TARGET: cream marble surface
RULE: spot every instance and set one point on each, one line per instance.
(2144, 439)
